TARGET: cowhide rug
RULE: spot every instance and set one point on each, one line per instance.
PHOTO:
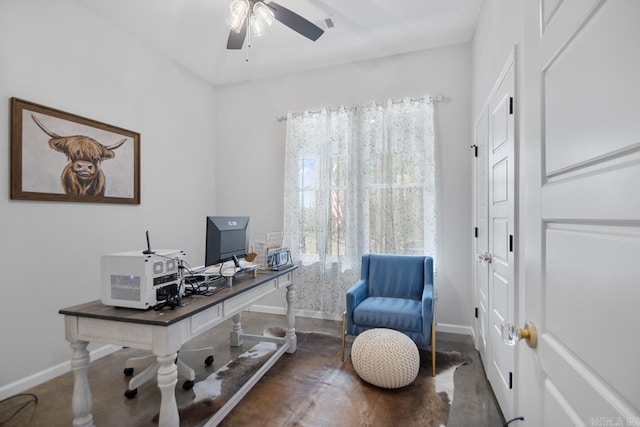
(312, 387)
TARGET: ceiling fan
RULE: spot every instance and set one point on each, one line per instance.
(253, 16)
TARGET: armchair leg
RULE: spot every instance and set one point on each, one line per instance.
(433, 349)
(344, 331)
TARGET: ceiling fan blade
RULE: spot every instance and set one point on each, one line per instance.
(296, 22)
(236, 40)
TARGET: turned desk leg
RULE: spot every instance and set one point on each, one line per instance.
(81, 400)
(290, 335)
(236, 331)
(167, 380)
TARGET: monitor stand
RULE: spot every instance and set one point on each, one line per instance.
(253, 271)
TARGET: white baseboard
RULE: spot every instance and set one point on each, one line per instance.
(442, 327)
(301, 313)
(455, 329)
(50, 373)
(268, 309)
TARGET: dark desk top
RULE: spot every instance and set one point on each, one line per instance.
(165, 317)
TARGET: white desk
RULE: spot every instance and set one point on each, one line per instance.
(164, 332)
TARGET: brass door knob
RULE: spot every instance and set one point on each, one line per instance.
(511, 334)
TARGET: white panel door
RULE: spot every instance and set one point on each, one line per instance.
(501, 202)
(581, 146)
(481, 209)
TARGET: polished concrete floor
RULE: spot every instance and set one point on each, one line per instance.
(474, 403)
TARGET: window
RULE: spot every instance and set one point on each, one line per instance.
(357, 180)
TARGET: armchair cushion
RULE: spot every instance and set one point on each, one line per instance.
(393, 313)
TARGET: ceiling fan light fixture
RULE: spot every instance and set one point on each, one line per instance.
(263, 12)
(238, 10)
(257, 26)
(260, 19)
(252, 17)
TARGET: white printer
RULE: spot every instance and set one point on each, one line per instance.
(140, 279)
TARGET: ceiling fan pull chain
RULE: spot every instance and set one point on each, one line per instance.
(248, 26)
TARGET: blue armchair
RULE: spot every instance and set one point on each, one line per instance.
(394, 292)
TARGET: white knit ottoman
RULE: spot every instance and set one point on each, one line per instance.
(385, 358)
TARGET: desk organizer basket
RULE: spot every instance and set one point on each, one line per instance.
(262, 243)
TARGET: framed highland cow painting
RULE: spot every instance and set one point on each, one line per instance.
(58, 156)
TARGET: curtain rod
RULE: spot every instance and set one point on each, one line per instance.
(436, 98)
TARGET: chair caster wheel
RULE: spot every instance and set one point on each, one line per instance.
(130, 394)
(208, 361)
(188, 385)
(128, 372)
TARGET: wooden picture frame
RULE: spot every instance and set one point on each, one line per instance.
(59, 156)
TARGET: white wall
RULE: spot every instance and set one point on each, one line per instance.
(250, 156)
(57, 54)
(498, 30)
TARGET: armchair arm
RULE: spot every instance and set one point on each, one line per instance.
(355, 295)
(428, 307)
(428, 296)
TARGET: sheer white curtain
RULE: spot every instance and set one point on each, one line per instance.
(357, 180)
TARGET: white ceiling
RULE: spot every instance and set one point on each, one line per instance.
(194, 33)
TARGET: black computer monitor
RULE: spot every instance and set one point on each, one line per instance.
(227, 236)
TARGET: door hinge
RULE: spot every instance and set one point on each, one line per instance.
(511, 105)
(476, 232)
(510, 242)
(476, 312)
(510, 380)
(475, 150)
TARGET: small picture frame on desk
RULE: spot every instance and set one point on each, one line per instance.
(279, 259)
